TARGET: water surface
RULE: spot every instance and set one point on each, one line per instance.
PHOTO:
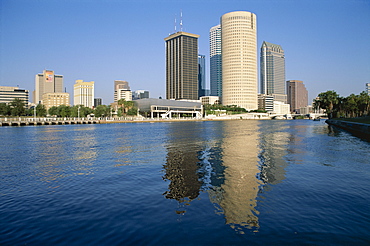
(193, 183)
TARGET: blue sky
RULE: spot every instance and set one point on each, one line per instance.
(326, 42)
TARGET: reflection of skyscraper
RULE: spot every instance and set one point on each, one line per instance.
(182, 66)
(237, 195)
(215, 61)
(239, 59)
(182, 163)
(47, 82)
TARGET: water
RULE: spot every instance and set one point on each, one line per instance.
(190, 183)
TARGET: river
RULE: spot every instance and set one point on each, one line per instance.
(241, 182)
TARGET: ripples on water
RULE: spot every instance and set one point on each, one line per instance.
(222, 182)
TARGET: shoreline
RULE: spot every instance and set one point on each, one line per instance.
(360, 130)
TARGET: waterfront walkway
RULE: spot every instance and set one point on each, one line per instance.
(24, 121)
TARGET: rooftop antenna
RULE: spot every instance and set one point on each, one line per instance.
(175, 23)
(181, 20)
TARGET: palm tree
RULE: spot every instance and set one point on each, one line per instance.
(327, 100)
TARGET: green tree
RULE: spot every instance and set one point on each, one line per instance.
(132, 111)
(40, 110)
(4, 109)
(327, 100)
(53, 111)
(17, 107)
(102, 111)
(64, 111)
(364, 104)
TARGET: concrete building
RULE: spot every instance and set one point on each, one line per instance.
(55, 99)
(272, 68)
(9, 93)
(47, 82)
(239, 59)
(210, 100)
(281, 108)
(120, 84)
(161, 108)
(297, 95)
(215, 61)
(201, 75)
(124, 94)
(266, 102)
(182, 66)
(97, 102)
(83, 93)
(368, 88)
(140, 94)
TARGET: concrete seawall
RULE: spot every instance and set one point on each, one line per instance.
(358, 129)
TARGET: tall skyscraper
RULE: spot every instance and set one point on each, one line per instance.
(182, 66)
(201, 75)
(47, 82)
(215, 61)
(297, 95)
(239, 59)
(273, 71)
(120, 84)
(83, 93)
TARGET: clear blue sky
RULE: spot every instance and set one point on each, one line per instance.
(326, 42)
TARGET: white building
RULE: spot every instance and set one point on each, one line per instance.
(239, 59)
(84, 93)
(368, 88)
(281, 108)
(124, 94)
(210, 100)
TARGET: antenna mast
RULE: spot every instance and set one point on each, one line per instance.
(175, 24)
(181, 20)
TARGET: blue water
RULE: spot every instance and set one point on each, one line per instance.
(244, 182)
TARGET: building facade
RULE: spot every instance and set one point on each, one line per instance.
(47, 82)
(83, 93)
(182, 66)
(297, 95)
(97, 102)
(368, 88)
(124, 94)
(272, 67)
(140, 94)
(215, 61)
(55, 99)
(9, 93)
(119, 84)
(239, 59)
(201, 75)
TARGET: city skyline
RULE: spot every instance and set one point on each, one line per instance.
(106, 41)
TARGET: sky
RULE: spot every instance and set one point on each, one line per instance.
(326, 42)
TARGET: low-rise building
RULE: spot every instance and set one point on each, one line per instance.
(55, 99)
(210, 100)
(9, 93)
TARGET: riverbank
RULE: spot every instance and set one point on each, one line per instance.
(359, 127)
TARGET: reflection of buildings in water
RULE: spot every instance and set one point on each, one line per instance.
(56, 152)
(237, 195)
(181, 167)
(273, 146)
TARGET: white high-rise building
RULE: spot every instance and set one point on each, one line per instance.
(84, 93)
(368, 88)
(239, 59)
(215, 61)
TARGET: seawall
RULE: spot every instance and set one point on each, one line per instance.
(358, 129)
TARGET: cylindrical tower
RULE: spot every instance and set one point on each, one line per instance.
(239, 59)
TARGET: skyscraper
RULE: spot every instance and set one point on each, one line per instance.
(182, 66)
(297, 95)
(273, 71)
(201, 75)
(215, 61)
(83, 93)
(239, 59)
(47, 82)
(120, 84)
